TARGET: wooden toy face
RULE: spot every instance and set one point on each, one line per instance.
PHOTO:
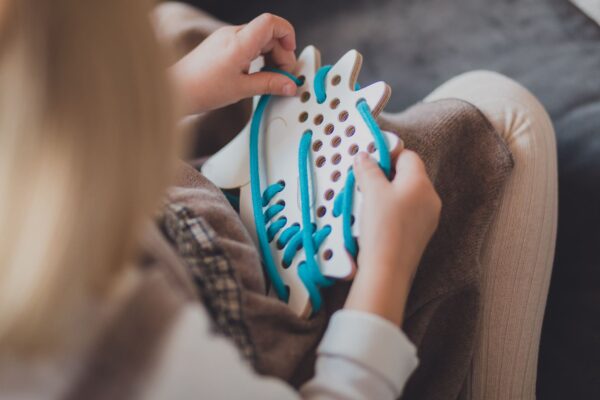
(339, 132)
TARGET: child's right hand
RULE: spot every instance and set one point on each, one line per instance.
(397, 221)
(215, 73)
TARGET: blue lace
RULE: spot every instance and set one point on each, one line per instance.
(296, 237)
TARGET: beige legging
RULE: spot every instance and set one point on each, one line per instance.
(519, 248)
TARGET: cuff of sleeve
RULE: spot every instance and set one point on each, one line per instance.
(373, 342)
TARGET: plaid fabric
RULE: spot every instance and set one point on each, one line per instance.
(214, 277)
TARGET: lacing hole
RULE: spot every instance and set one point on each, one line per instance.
(304, 97)
(352, 220)
(335, 142)
(371, 148)
(329, 129)
(302, 79)
(334, 103)
(321, 211)
(337, 157)
(281, 203)
(336, 80)
(317, 145)
(318, 119)
(343, 116)
(327, 254)
(303, 116)
(353, 149)
(350, 131)
(335, 176)
(281, 182)
(329, 193)
(320, 161)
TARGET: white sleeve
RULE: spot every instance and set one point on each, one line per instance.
(362, 356)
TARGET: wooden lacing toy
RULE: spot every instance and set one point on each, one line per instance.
(292, 165)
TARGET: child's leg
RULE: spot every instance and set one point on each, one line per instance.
(519, 249)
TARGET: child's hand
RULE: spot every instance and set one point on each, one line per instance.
(397, 220)
(215, 73)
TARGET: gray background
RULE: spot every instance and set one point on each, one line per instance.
(547, 45)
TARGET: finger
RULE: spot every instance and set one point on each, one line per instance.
(259, 32)
(395, 152)
(268, 83)
(368, 174)
(281, 58)
(408, 164)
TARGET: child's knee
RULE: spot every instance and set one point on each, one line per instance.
(493, 87)
(509, 106)
(518, 116)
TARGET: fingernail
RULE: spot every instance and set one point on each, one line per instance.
(289, 89)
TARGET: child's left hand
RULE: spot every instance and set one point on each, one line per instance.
(215, 73)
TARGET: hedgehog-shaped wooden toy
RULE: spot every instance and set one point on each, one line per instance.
(292, 165)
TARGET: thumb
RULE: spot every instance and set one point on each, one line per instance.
(369, 176)
(268, 83)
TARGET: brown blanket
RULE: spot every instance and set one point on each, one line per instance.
(467, 161)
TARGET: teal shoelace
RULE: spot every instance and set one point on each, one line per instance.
(296, 237)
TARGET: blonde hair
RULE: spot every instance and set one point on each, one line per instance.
(86, 147)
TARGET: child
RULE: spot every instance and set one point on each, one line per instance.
(86, 151)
